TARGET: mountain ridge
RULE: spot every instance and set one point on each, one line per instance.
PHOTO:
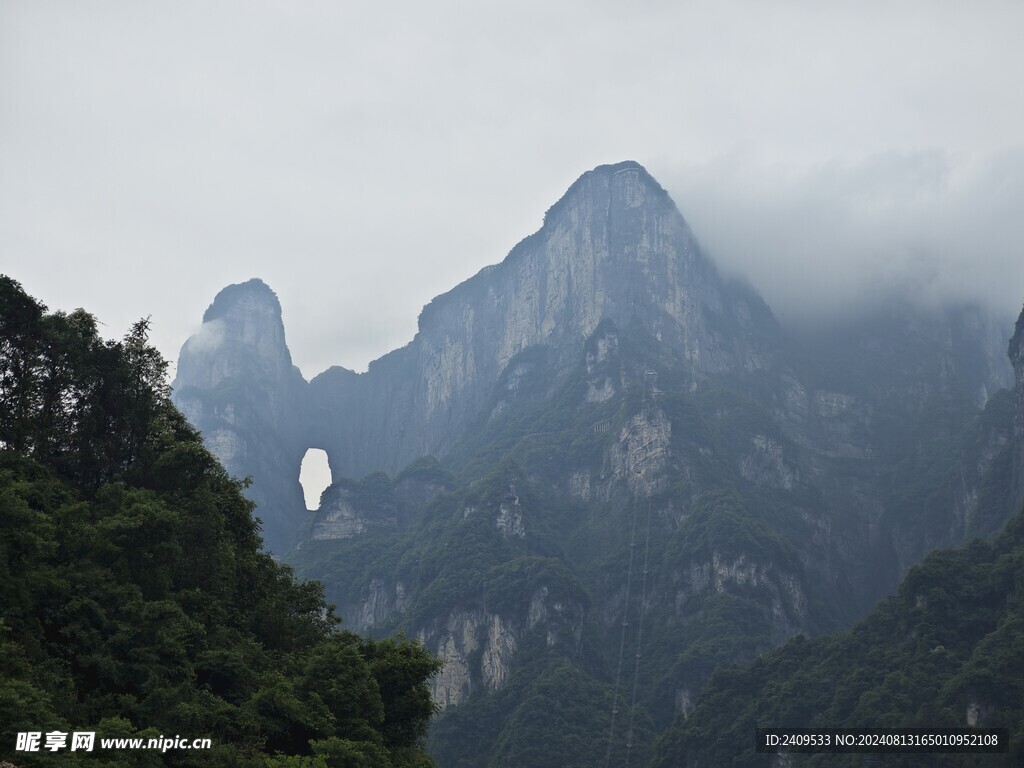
(614, 245)
(606, 370)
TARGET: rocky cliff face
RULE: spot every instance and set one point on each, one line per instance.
(1016, 352)
(236, 383)
(478, 647)
(341, 516)
(632, 442)
(614, 247)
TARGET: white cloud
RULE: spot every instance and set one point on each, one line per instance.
(829, 238)
(207, 338)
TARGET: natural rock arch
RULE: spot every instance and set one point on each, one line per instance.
(314, 476)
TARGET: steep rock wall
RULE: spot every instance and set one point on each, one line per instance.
(614, 247)
(236, 383)
(1016, 352)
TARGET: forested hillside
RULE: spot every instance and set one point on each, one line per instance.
(135, 598)
(946, 651)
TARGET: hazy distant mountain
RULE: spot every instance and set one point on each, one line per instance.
(947, 650)
(625, 439)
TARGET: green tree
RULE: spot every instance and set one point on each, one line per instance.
(134, 593)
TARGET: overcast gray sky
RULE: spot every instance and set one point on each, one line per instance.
(363, 157)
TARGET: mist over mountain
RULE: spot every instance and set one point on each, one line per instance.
(944, 651)
(602, 469)
(830, 241)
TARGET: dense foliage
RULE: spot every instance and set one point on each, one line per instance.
(134, 596)
(951, 640)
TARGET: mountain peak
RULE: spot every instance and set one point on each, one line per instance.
(236, 383)
(626, 182)
(242, 297)
(611, 169)
(624, 166)
(242, 330)
(615, 248)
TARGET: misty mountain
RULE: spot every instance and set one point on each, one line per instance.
(639, 476)
(945, 651)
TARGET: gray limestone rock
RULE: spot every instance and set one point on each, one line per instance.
(236, 383)
(608, 355)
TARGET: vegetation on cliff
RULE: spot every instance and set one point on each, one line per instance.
(946, 650)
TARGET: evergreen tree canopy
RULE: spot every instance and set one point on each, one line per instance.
(134, 596)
